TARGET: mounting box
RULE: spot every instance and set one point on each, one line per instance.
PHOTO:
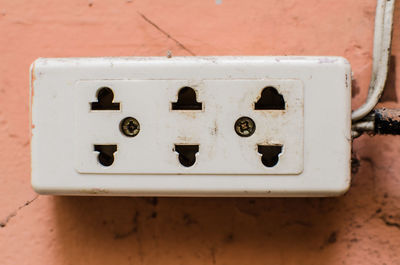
(191, 126)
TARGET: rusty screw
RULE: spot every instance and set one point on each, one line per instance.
(129, 127)
(245, 126)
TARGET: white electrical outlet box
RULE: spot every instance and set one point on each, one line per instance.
(191, 126)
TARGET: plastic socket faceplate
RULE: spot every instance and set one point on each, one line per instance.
(313, 129)
(221, 150)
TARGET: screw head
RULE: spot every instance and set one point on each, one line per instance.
(245, 126)
(129, 127)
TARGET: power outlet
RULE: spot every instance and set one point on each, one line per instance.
(169, 122)
(191, 126)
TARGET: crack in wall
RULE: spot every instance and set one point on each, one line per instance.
(389, 220)
(166, 34)
(5, 221)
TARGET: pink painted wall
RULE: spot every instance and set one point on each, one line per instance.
(362, 227)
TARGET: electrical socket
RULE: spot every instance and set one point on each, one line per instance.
(165, 131)
(191, 126)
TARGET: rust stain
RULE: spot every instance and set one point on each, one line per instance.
(190, 114)
(214, 130)
(387, 121)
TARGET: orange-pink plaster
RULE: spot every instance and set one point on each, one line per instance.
(362, 227)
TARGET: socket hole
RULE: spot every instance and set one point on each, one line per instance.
(187, 100)
(269, 154)
(106, 153)
(187, 154)
(270, 100)
(105, 97)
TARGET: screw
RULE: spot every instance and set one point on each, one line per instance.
(245, 126)
(129, 127)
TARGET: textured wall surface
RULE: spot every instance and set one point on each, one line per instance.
(362, 227)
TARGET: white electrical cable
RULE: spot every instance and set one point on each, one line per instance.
(381, 57)
(364, 126)
(376, 54)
